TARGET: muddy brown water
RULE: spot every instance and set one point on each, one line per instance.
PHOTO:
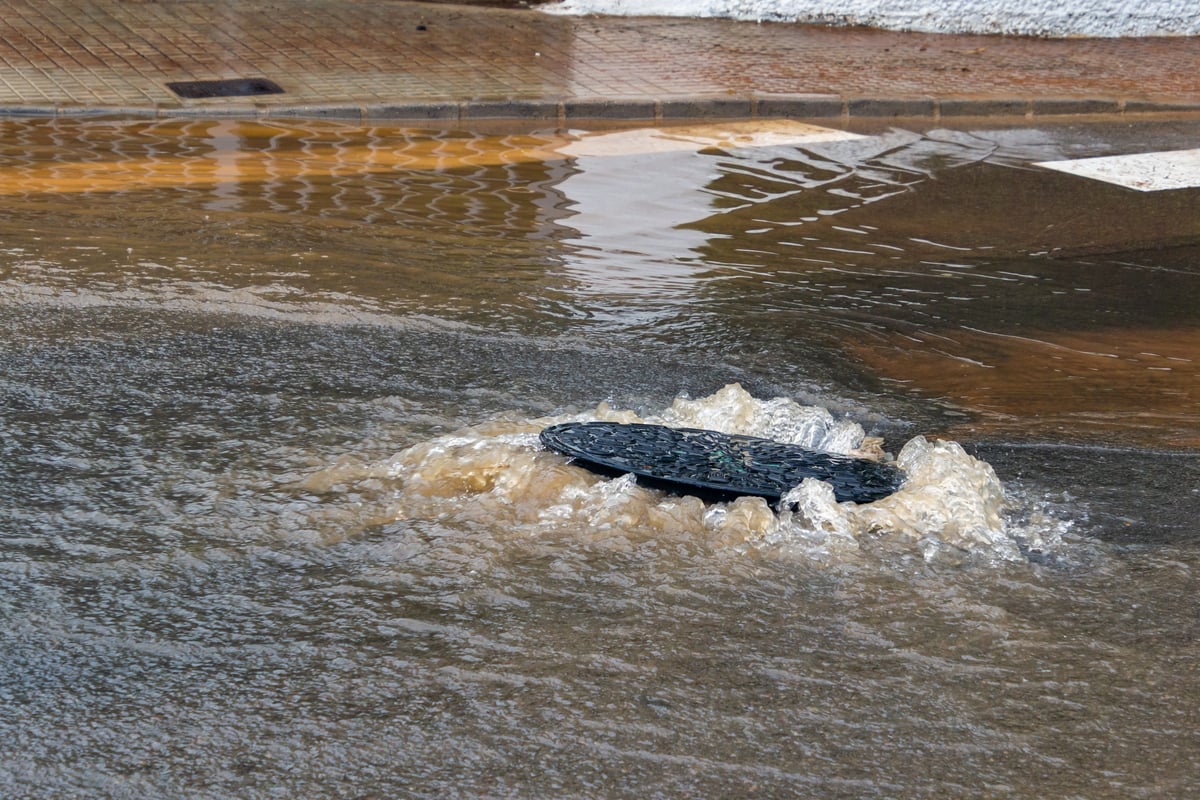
(274, 520)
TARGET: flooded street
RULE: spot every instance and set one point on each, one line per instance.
(275, 522)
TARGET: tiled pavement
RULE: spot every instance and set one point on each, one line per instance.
(389, 59)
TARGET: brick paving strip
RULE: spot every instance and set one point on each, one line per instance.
(376, 60)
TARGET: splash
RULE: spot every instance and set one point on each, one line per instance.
(951, 503)
(498, 479)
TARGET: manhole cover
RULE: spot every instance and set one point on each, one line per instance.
(230, 87)
(716, 466)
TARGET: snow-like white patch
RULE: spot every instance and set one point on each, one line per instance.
(1026, 17)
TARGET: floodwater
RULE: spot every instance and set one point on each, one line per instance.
(274, 521)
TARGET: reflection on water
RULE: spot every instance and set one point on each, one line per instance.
(274, 520)
(1146, 382)
(622, 179)
(254, 159)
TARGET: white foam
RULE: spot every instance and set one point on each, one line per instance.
(497, 477)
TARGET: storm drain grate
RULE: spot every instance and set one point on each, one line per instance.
(231, 87)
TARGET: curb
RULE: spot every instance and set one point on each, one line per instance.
(639, 109)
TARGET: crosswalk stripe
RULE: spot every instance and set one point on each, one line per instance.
(1145, 172)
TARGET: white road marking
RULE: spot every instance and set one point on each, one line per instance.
(1145, 172)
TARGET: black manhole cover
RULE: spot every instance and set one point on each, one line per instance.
(230, 87)
(716, 466)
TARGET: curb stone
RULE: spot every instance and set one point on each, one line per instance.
(673, 108)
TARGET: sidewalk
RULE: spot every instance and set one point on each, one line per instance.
(444, 63)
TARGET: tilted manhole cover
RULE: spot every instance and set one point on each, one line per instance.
(714, 465)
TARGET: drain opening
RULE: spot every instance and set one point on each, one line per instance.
(231, 87)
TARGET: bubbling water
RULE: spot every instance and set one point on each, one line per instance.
(952, 507)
